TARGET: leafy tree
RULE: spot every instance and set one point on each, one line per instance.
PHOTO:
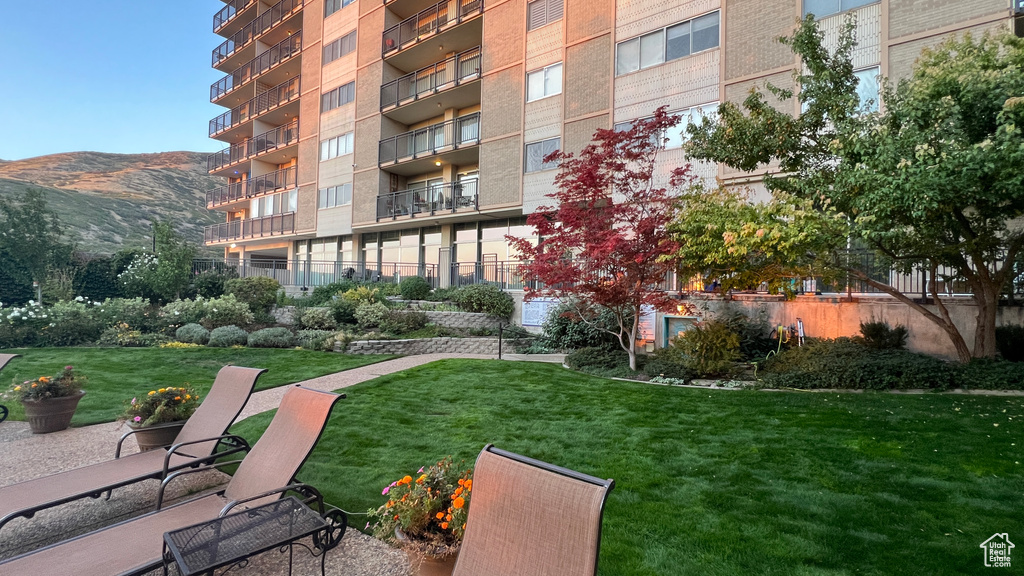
(31, 244)
(165, 275)
(605, 244)
(931, 182)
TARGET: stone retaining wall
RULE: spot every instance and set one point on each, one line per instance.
(468, 320)
(423, 346)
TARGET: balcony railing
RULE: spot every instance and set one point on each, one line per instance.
(433, 139)
(429, 22)
(228, 13)
(279, 53)
(256, 186)
(251, 147)
(273, 225)
(432, 79)
(433, 199)
(281, 94)
(277, 13)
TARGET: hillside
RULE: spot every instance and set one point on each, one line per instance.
(107, 201)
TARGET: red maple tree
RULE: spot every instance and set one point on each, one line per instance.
(605, 245)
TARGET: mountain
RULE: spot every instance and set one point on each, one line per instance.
(107, 201)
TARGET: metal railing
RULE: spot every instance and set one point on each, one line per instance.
(257, 186)
(228, 13)
(281, 94)
(448, 197)
(265, 21)
(432, 79)
(250, 147)
(273, 225)
(280, 52)
(430, 140)
(318, 273)
(428, 22)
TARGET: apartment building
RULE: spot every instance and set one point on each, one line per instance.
(383, 137)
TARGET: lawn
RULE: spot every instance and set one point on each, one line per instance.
(707, 482)
(117, 374)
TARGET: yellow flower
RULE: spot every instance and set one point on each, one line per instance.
(188, 397)
(421, 479)
(17, 388)
(151, 392)
(162, 390)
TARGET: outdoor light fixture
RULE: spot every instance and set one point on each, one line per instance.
(233, 245)
(437, 162)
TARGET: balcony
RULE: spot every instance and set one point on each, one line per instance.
(278, 13)
(270, 100)
(412, 95)
(451, 138)
(279, 53)
(274, 225)
(270, 141)
(229, 12)
(276, 181)
(431, 23)
(429, 201)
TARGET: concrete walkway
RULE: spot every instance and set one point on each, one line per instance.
(24, 456)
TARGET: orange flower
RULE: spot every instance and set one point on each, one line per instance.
(449, 518)
(458, 491)
(390, 504)
(43, 379)
(458, 502)
(444, 525)
(469, 485)
(177, 397)
(440, 515)
(461, 481)
(421, 479)
(406, 479)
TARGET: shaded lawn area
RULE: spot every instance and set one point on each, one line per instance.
(707, 482)
(117, 374)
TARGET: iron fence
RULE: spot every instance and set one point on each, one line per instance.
(428, 22)
(431, 140)
(273, 225)
(447, 197)
(448, 73)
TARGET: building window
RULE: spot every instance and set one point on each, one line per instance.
(822, 8)
(337, 97)
(537, 151)
(544, 82)
(340, 47)
(667, 44)
(675, 136)
(867, 89)
(542, 12)
(334, 147)
(274, 204)
(332, 6)
(335, 196)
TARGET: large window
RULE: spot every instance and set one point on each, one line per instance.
(332, 6)
(542, 12)
(667, 44)
(274, 204)
(334, 147)
(338, 97)
(335, 196)
(822, 8)
(675, 136)
(544, 82)
(339, 47)
(867, 88)
(536, 152)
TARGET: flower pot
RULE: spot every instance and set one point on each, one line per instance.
(156, 436)
(51, 414)
(423, 564)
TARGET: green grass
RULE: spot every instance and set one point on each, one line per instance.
(707, 482)
(117, 374)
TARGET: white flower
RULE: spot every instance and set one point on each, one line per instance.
(79, 299)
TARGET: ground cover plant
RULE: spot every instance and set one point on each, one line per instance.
(117, 373)
(707, 482)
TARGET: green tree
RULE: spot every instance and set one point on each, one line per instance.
(31, 245)
(165, 275)
(931, 182)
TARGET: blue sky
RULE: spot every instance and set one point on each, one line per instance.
(106, 75)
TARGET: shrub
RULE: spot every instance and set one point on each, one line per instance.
(272, 338)
(226, 311)
(192, 334)
(370, 315)
(71, 324)
(227, 336)
(878, 335)
(181, 312)
(414, 288)
(122, 335)
(154, 340)
(565, 329)
(323, 294)
(1010, 342)
(668, 362)
(135, 312)
(259, 292)
(211, 283)
(755, 333)
(316, 339)
(399, 322)
(343, 311)
(710, 348)
(991, 375)
(317, 319)
(361, 295)
(442, 294)
(485, 298)
(602, 361)
(22, 325)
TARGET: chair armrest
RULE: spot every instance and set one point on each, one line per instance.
(240, 445)
(117, 451)
(310, 493)
(167, 481)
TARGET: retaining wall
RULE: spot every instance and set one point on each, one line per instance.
(423, 346)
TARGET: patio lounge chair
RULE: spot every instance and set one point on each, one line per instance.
(194, 446)
(4, 359)
(135, 546)
(530, 517)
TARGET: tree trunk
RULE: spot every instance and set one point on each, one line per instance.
(985, 328)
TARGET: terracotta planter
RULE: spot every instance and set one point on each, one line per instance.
(51, 414)
(423, 565)
(156, 436)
